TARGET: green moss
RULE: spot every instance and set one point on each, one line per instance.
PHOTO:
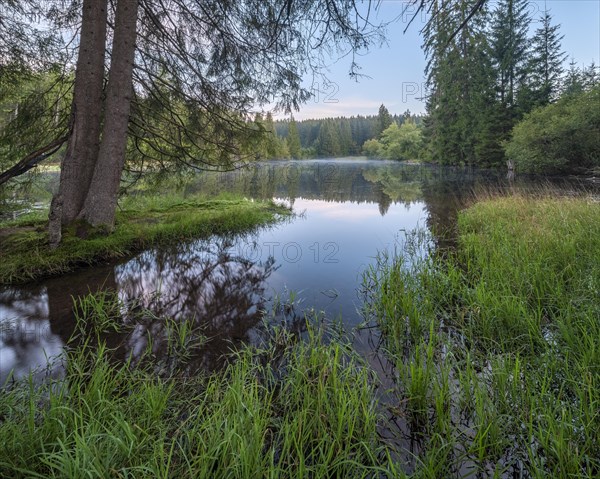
(143, 222)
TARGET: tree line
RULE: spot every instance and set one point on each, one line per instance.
(326, 137)
(163, 85)
(125, 87)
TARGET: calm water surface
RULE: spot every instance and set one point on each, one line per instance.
(347, 211)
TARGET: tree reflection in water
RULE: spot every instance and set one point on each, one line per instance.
(219, 293)
(25, 339)
(357, 206)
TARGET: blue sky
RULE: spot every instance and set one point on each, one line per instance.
(396, 69)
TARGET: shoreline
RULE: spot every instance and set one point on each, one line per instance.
(142, 223)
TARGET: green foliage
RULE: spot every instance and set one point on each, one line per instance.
(384, 120)
(293, 141)
(545, 64)
(24, 42)
(509, 48)
(289, 409)
(328, 141)
(373, 148)
(143, 221)
(340, 136)
(267, 144)
(194, 101)
(463, 122)
(559, 138)
(488, 77)
(34, 110)
(577, 80)
(401, 142)
(172, 135)
(396, 143)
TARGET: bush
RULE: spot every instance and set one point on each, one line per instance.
(559, 138)
(397, 143)
(372, 148)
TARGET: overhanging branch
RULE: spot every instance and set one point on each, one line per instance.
(33, 159)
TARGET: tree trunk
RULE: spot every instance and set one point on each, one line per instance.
(78, 164)
(101, 202)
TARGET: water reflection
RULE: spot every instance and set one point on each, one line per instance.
(352, 208)
(204, 282)
(26, 336)
(353, 181)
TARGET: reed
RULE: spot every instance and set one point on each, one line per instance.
(308, 411)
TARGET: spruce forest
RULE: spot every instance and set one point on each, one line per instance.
(484, 84)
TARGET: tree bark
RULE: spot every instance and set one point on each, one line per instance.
(101, 202)
(77, 167)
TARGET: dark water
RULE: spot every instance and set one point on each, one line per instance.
(347, 211)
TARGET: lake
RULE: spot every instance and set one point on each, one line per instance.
(346, 210)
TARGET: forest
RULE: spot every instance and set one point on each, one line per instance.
(488, 86)
(495, 74)
(490, 91)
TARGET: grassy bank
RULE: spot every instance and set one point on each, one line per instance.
(497, 348)
(286, 410)
(141, 222)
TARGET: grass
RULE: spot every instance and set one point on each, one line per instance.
(143, 221)
(495, 350)
(306, 410)
(497, 347)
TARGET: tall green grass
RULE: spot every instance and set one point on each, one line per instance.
(496, 373)
(303, 411)
(497, 347)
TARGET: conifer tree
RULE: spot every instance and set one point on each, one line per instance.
(460, 81)
(221, 59)
(384, 119)
(509, 50)
(328, 141)
(547, 57)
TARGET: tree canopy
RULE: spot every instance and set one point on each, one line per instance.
(397, 142)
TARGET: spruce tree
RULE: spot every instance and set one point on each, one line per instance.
(435, 45)
(272, 143)
(573, 82)
(224, 58)
(590, 76)
(510, 24)
(460, 82)
(547, 57)
(384, 119)
(328, 141)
